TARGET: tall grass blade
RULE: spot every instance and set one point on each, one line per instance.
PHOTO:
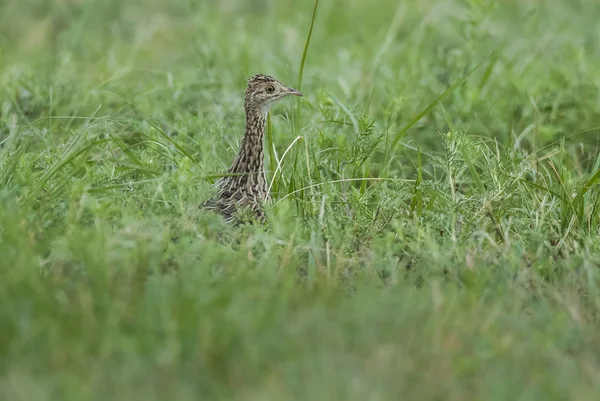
(428, 109)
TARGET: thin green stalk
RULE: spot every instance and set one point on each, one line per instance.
(302, 62)
(428, 109)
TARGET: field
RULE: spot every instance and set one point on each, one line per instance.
(435, 226)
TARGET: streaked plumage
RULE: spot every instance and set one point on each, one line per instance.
(245, 187)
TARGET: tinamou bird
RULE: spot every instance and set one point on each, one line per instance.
(243, 190)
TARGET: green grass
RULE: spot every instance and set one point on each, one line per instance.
(434, 233)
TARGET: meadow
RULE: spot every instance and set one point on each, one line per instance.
(434, 230)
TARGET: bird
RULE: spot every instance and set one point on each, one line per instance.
(242, 191)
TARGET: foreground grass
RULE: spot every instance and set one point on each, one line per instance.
(453, 256)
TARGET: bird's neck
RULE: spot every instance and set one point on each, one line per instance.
(250, 158)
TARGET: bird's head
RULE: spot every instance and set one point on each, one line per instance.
(263, 91)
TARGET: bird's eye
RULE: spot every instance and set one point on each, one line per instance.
(270, 89)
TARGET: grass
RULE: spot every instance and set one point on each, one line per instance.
(434, 233)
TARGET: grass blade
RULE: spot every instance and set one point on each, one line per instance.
(428, 109)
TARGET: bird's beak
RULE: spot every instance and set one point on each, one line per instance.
(294, 92)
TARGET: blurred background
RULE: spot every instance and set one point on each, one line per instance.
(384, 58)
(467, 272)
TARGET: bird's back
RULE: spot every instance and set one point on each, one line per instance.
(237, 193)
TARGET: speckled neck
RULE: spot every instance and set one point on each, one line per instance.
(250, 158)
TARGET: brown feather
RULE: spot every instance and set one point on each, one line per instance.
(245, 186)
